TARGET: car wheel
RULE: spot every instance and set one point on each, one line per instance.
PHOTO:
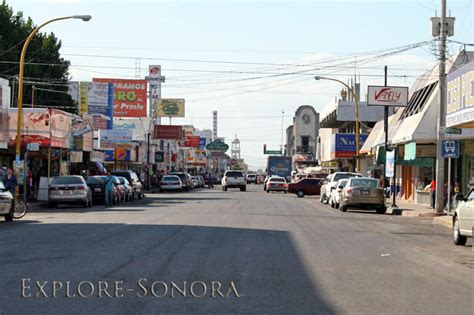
(343, 208)
(326, 199)
(9, 216)
(225, 188)
(457, 237)
(300, 194)
(381, 210)
(52, 205)
(268, 191)
(331, 203)
(285, 191)
(243, 189)
(91, 203)
(85, 204)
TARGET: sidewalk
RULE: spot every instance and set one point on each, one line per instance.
(408, 209)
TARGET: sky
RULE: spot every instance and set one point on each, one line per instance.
(250, 60)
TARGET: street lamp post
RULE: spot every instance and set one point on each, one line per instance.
(85, 18)
(356, 99)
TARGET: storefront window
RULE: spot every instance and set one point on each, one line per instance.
(425, 176)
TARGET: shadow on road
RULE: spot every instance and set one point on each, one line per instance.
(264, 265)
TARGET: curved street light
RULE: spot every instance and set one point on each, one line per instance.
(85, 18)
(356, 99)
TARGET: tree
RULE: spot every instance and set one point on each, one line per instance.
(44, 66)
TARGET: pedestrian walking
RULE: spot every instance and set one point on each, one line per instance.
(433, 193)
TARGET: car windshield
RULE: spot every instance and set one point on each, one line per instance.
(121, 180)
(344, 175)
(234, 174)
(65, 180)
(280, 180)
(364, 182)
(96, 179)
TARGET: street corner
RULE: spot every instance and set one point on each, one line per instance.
(444, 221)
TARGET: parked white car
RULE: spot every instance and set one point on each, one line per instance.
(6, 203)
(335, 195)
(330, 184)
(463, 219)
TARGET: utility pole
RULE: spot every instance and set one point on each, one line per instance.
(442, 112)
(281, 147)
(385, 124)
(33, 96)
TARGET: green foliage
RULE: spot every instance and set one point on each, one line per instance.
(44, 48)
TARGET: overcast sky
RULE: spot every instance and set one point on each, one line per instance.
(240, 57)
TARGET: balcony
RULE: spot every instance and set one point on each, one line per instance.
(305, 149)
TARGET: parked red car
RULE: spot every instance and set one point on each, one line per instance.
(305, 187)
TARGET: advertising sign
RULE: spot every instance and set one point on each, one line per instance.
(35, 126)
(450, 149)
(159, 157)
(75, 156)
(343, 145)
(387, 96)
(130, 97)
(138, 127)
(154, 72)
(460, 109)
(83, 97)
(170, 107)
(192, 141)
(202, 143)
(214, 125)
(80, 127)
(60, 124)
(122, 155)
(390, 162)
(169, 132)
(115, 135)
(279, 165)
(97, 156)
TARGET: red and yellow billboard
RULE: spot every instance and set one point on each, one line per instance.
(130, 97)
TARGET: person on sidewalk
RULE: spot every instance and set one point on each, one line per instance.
(109, 189)
(433, 193)
(9, 181)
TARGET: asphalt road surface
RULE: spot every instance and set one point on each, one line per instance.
(219, 252)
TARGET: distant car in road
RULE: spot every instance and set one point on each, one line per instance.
(266, 180)
(234, 179)
(251, 178)
(362, 192)
(335, 196)
(463, 219)
(305, 187)
(276, 183)
(330, 184)
(6, 203)
(69, 189)
(171, 182)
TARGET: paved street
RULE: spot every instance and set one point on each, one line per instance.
(269, 253)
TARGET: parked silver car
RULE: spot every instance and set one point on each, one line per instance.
(6, 203)
(463, 219)
(362, 192)
(69, 189)
(330, 183)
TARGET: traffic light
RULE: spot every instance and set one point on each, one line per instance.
(264, 149)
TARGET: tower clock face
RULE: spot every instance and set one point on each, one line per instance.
(306, 119)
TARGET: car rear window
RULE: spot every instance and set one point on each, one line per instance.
(364, 182)
(170, 178)
(281, 180)
(234, 174)
(341, 176)
(96, 179)
(62, 180)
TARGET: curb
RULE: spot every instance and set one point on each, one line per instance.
(412, 213)
(444, 221)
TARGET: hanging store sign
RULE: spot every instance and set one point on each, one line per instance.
(192, 141)
(387, 96)
(170, 107)
(81, 127)
(168, 132)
